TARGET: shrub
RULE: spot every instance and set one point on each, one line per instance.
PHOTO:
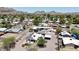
(41, 41)
(8, 42)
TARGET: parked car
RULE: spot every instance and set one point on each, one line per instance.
(77, 26)
(63, 26)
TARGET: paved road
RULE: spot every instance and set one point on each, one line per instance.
(50, 45)
(18, 46)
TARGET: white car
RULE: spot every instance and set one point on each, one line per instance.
(63, 26)
(78, 26)
(48, 35)
(53, 30)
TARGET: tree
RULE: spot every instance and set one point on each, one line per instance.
(7, 42)
(37, 20)
(3, 23)
(62, 19)
(48, 16)
(52, 18)
(22, 18)
(6, 24)
(75, 31)
(58, 30)
(41, 41)
(76, 19)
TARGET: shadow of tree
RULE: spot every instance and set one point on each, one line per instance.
(42, 46)
(56, 43)
(57, 48)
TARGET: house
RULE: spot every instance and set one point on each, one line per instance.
(64, 34)
(70, 40)
(2, 31)
(13, 30)
(15, 21)
(29, 22)
(38, 28)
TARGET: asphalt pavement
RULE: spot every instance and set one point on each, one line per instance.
(51, 44)
(23, 38)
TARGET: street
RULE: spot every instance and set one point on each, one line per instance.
(22, 37)
(51, 44)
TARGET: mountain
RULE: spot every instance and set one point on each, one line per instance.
(6, 10)
(39, 12)
(51, 12)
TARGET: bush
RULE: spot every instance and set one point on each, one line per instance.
(41, 41)
(8, 42)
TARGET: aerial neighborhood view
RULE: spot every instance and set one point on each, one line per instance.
(39, 29)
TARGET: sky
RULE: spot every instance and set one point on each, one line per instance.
(47, 9)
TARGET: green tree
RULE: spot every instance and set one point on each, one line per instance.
(6, 24)
(22, 18)
(58, 30)
(48, 16)
(76, 19)
(52, 18)
(37, 20)
(75, 31)
(8, 41)
(62, 19)
(40, 42)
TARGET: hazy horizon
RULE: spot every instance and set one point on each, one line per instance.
(47, 9)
